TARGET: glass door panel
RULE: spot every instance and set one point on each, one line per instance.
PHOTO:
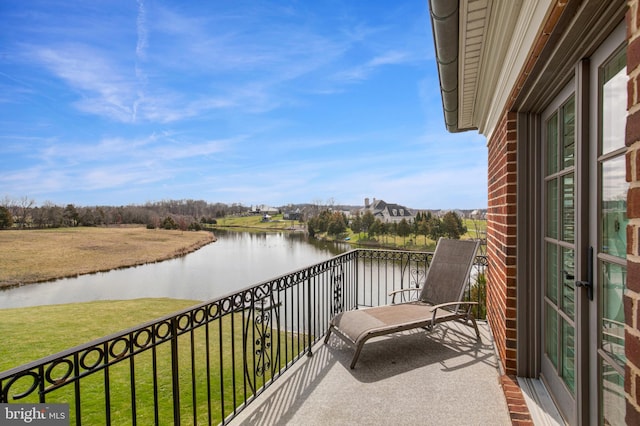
(612, 238)
(552, 273)
(568, 228)
(568, 133)
(568, 356)
(614, 207)
(560, 219)
(613, 282)
(568, 284)
(552, 209)
(613, 404)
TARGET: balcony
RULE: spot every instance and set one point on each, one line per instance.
(257, 357)
(443, 378)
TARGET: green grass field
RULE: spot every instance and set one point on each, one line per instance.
(31, 333)
(255, 221)
(35, 332)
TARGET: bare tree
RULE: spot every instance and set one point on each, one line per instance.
(24, 205)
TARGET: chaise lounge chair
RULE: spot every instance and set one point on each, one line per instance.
(440, 300)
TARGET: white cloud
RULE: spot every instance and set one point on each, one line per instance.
(363, 71)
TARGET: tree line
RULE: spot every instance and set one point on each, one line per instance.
(172, 214)
(336, 223)
(23, 213)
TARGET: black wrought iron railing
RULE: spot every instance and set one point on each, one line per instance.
(205, 364)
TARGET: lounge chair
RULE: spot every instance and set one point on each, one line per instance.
(440, 300)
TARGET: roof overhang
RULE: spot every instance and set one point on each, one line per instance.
(481, 47)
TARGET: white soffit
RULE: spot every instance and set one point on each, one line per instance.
(474, 25)
(495, 39)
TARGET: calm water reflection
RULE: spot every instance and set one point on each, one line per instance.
(235, 261)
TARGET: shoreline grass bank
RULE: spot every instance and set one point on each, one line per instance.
(39, 255)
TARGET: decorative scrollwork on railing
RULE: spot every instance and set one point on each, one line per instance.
(263, 342)
(417, 277)
(258, 332)
(481, 261)
(337, 282)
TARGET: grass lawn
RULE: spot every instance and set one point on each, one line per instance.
(255, 221)
(31, 333)
(45, 254)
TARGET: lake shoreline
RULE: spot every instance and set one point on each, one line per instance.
(139, 255)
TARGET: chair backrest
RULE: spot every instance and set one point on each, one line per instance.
(449, 271)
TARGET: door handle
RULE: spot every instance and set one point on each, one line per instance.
(588, 284)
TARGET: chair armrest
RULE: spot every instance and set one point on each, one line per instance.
(402, 290)
(444, 305)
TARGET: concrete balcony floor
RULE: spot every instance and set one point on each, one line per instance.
(413, 378)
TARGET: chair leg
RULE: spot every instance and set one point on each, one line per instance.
(326, 338)
(475, 326)
(356, 355)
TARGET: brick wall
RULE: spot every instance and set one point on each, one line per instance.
(501, 240)
(632, 295)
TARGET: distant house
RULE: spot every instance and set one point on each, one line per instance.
(459, 213)
(264, 209)
(386, 212)
(478, 214)
(292, 215)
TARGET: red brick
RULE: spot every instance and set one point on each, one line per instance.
(520, 416)
(633, 55)
(627, 380)
(632, 349)
(629, 22)
(632, 130)
(633, 276)
(632, 416)
(628, 309)
(633, 203)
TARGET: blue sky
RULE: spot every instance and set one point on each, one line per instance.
(254, 102)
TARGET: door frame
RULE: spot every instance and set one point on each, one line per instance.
(576, 37)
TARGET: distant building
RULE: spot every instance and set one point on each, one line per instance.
(458, 213)
(292, 215)
(264, 209)
(478, 214)
(386, 212)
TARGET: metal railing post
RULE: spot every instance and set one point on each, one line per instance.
(309, 305)
(174, 371)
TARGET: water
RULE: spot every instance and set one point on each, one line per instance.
(235, 261)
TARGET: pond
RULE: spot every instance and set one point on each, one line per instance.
(235, 261)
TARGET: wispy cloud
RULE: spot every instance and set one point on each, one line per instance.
(363, 71)
(141, 26)
(141, 46)
(255, 102)
(105, 90)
